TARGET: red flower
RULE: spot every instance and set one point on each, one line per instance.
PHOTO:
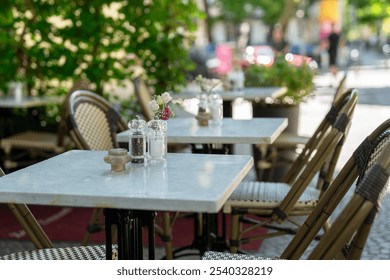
(166, 114)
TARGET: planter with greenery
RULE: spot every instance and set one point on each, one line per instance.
(297, 79)
(299, 83)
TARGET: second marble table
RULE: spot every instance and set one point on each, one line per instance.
(253, 131)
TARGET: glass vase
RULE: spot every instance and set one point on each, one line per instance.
(157, 141)
(216, 109)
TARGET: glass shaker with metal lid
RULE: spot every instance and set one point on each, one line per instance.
(137, 140)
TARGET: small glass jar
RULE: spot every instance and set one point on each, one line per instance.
(157, 141)
(237, 79)
(216, 109)
(137, 141)
(203, 116)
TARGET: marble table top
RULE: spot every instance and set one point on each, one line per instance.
(232, 131)
(188, 182)
(29, 101)
(249, 93)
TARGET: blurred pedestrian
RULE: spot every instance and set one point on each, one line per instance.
(278, 43)
(333, 46)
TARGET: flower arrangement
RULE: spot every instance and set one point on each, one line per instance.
(207, 85)
(160, 106)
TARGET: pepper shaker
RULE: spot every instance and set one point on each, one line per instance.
(137, 140)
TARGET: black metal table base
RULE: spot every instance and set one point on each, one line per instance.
(208, 239)
(129, 225)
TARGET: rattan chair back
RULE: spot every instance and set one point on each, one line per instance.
(369, 167)
(341, 88)
(347, 236)
(93, 122)
(355, 170)
(320, 134)
(320, 155)
(81, 84)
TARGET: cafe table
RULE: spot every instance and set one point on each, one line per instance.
(250, 93)
(8, 103)
(29, 101)
(186, 130)
(253, 94)
(231, 131)
(81, 178)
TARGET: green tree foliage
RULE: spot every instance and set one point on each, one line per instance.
(237, 11)
(273, 11)
(370, 11)
(49, 43)
(160, 34)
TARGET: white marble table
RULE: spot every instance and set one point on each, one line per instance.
(249, 93)
(253, 131)
(83, 179)
(253, 94)
(29, 101)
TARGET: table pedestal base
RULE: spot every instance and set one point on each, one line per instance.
(206, 236)
(129, 225)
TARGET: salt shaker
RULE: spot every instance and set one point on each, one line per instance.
(137, 140)
(157, 141)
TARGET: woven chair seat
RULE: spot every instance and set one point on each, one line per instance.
(34, 139)
(213, 255)
(268, 195)
(97, 252)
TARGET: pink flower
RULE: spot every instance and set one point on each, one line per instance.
(166, 114)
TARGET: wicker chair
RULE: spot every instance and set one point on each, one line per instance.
(369, 167)
(275, 203)
(29, 224)
(272, 155)
(41, 143)
(44, 247)
(93, 124)
(97, 252)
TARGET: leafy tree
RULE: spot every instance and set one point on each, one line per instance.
(274, 11)
(238, 11)
(160, 34)
(370, 11)
(48, 44)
